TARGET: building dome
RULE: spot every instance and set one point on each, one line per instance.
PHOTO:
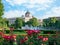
(27, 14)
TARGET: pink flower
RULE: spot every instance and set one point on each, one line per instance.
(40, 37)
(45, 39)
(14, 36)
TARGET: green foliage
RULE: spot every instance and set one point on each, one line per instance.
(7, 31)
(7, 22)
(19, 30)
(30, 40)
(2, 21)
(1, 40)
(51, 23)
(19, 38)
(1, 8)
(58, 39)
(49, 32)
(33, 22)
(58, 24)
(19, 23)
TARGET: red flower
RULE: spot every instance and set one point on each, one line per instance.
(26, 38)
(6, 37)
(1, 33)
(11, 28)
(45, 39)
(22, 41)
(40, 37)
(36, 31)
(29, 32)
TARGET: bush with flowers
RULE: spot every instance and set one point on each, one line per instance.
(7, 39)
(32, 38)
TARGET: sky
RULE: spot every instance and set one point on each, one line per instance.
(40, 9)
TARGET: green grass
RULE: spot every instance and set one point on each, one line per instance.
(19, 33)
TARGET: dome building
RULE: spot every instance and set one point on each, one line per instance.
(27, 16)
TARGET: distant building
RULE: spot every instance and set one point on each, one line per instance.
(58, 18)
(11, 20)
(25, 17)
(40, 22)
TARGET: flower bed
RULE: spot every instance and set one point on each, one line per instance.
(31, 38)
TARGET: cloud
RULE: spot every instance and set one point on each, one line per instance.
(16, 2)
(13, 13)
(55, 12)
(35, 5)
(32, 3)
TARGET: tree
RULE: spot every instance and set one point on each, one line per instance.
(53, 21)
(4, 23)
(1, 13)
(1, 8)
(7, 22)
(33, 22)
(19, 23)
(50, 22)
(57, 24)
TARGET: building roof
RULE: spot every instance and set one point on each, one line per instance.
(27, 12)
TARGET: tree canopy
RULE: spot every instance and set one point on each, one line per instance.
(52, 22)
(1, 13)
(33, 22)
(1, 8)
(19, 23)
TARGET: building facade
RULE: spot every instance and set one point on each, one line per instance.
(25, 17)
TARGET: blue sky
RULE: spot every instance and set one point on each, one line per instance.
(38, 8)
